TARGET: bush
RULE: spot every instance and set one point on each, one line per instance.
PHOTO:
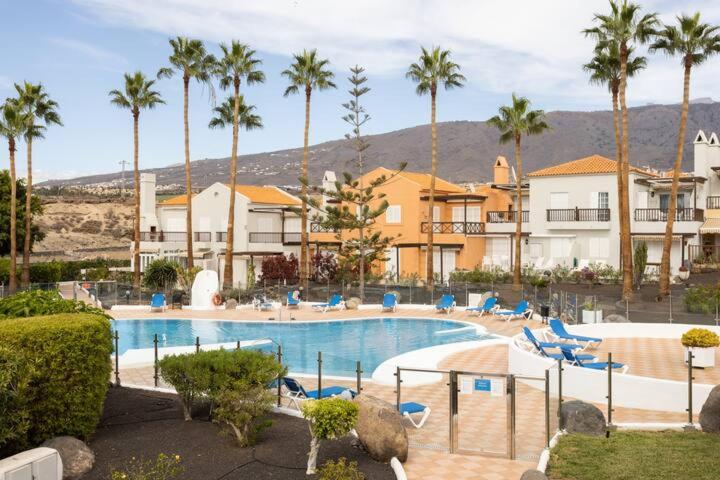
(700, 338)
(69, 360)
(329, 419)
(163, 468)
(14, 415)
(279, 267)
(639, 263)
(60, 271)
(161, 274)
(41, 302)
(496, 275)
(324, 267)
(340, 470)
(702, 298)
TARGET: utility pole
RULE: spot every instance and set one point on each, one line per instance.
(122, 182)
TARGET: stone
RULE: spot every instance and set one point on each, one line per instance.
(230, 304)
(581, 417)
(352, 303)
(77, 458)
(710, 412)
(615, 318)
(380, 429)
(533, 475)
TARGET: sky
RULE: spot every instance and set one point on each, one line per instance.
(79, 49)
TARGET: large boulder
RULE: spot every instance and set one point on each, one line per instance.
(231, 304)
(77, 458)
(380, 429)
(710, 412)
(352, 303)
(581, 417)
(533, 475)
(615, 318)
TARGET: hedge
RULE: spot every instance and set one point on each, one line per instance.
(68, 356)
(60, 271)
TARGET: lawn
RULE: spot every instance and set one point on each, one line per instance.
(636, 455)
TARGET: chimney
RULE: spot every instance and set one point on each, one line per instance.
(501, 171)
(701, 154)
(148, 217)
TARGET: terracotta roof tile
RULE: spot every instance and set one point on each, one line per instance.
(593, 164)
(267, 195)
(175, 201)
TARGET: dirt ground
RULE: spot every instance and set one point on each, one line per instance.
(143, 424)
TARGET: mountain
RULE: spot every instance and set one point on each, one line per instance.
(466, 149)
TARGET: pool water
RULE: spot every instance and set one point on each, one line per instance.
(342, 343)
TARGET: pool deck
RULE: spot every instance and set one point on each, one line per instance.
(482, 421)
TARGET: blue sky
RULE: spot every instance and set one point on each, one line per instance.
(79, 49)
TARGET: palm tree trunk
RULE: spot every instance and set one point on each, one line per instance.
(431, 201)
(664, 286)
(303, 195)
(25, 277)
(625, 241)
(517, 260)
(13, 219)
(618, 153)
(136, 223)
(228, 271)
(188, 183)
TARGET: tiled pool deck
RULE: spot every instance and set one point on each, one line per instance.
(482, 418)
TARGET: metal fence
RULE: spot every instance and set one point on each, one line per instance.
(5, 290)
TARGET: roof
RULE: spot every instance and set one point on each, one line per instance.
(423, 180)
(266, 195)
(175, 201)
(594, 164)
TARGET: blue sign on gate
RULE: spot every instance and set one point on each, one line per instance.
(482, 385)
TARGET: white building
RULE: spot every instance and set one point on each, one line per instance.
(265, 224)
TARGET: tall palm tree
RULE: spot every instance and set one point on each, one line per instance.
(604, 69)
(694, 42)
(40, 110)
(308, 72)
(514, 121)
(238, 62)
(625, 27)
(190, 60)
(433, 68)
(13, 125)
(137, 94)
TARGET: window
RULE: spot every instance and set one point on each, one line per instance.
(436, 213)
(393, 214)
(680, 201)
(458, 214)
(664, 201)
(603, 200)
(473, 214)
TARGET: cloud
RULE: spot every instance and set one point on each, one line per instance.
(532, 47)
(89, 50)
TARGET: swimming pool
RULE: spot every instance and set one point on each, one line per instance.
(342, 342)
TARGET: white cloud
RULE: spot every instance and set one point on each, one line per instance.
(89, 50)
(528, 46)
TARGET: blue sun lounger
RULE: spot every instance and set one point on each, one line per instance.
(389, 302)
(446, 303)
(541, 346)
(558, 330)
(157, 302)
(522, 310)
(296, 392)
(335, 303)
(292, 302)
(408, 409)
(573, 359)
(487, 307)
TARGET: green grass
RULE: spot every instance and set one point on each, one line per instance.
(636, 455)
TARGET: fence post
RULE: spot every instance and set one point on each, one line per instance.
(155, 364)
(319, 361)
(453, 411)
(411, 285)
(690, 385)
(467, 295)
(560, 395)
(547, 408)
(197, 344)
(595, 309)
(627, 309)
(511, 415)
(117, 359)
(716, 313)
(358, 373)
(670, 319)
(398, 381)
(238, 345)
(609, 395)
(577, 310)
(279, 379)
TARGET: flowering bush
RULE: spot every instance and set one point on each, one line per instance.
(163, 468)
(279, 267)
(700, 338)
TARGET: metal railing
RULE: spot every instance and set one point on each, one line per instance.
(202, 236)
(317, 227)
(704, 254)
(712, 202)
(162, 236)
(661, 215)
(465, 228)
(507, 216)
(578, 214)
(274, 237)
(221, 236)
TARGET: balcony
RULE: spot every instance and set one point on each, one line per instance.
(661, 214)
(202, 236)
(163, 236)
(713, 202)
(462, 228)
(274, 237)
(578, 215)
(317, 227)
(508, 216)
(221, 236)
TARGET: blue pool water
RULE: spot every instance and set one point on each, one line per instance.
(372, 341)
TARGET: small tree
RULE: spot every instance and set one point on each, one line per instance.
(329, 419)
(279, 267)
(640, 261)
(161, 274)
(325, 266)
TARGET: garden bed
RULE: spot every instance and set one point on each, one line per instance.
(636, 455)
(143, 424)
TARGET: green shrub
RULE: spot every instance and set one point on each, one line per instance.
(639, 263)
(69, 360)
(340, 470)
(34, 303)
(329, 419)
(561, 274)
(14, 415)
(163, 468)
(60, 271)
(496, 275)
(702, 298)
(161, 274)
(700, 337)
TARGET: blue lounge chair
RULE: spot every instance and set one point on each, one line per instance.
(157, 302)
(558, 330)
(336, 303)
(541, 346)
(389, 302)
(407, 409)
(446, 303)
(488, 307)
(573, 359)
(296, 393)
(292, 301)
(522, 310)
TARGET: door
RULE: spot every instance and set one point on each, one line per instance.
(473, 214)
(436, 213)
(292, 224)
(458, 214)
(392, 267)
(448, 257)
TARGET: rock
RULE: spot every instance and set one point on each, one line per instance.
(581, 417)
(615, 318)
(397, 295)
(380, 429)
(352, 303)
(77, 458)
(533, 475)
(230, 304)
(710, 412)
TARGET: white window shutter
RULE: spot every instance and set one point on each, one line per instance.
(642, 199)
(594, 202)
(436, 214)
(458, 214)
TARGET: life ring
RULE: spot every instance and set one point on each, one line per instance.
(216, 299)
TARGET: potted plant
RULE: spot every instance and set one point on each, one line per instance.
(701, 342)
(683, 273)
(591, 314)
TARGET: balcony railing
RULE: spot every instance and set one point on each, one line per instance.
(508, 216)
(578, 215)
(317, 227)
(202, 236)
(274, 237)
(661, 215)
(713, 202)
(466, 228)
(163, 236)
(221, 236)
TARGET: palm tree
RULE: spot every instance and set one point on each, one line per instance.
(307, 72)
(694, 42)
(190, 59)
(433, 68)
(40, 109)
(624, 26)
(137, 94)
(13, 125)
(238, 62)
(514, 121)
(604, 69)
